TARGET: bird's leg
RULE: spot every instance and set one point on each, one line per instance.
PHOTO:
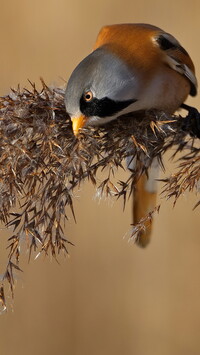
(191, 123)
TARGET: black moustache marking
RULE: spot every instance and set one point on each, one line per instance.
(104, 107)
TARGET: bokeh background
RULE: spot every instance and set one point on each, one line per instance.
(108, 297)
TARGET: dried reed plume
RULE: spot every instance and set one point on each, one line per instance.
(41, 163)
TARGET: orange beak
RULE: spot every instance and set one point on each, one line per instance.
(78, 122)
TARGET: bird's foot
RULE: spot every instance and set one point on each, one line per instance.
(191, 123)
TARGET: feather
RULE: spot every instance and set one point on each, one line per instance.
(145, 197)
(177, 58)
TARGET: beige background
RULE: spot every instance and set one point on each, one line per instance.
(109, 297)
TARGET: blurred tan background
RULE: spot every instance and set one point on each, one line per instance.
(109, 297)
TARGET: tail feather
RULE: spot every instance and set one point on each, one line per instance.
(144, 202)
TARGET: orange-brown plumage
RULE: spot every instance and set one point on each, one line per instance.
(144, 202)
(125, 41)
(139, 67)
(133, 43)
(137, 46)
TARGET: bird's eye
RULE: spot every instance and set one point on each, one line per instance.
(88, 96)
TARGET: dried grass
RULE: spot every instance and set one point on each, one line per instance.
(41, 163)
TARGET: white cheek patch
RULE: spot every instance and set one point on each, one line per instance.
(99, 121)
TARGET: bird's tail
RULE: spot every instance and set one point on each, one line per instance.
(144, 201)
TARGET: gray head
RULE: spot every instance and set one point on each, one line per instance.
(100, 88)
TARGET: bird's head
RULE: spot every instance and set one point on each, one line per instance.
(99, 90)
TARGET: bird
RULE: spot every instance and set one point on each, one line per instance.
(132, 67)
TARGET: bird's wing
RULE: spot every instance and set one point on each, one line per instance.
(144, 201)
(177, 58)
